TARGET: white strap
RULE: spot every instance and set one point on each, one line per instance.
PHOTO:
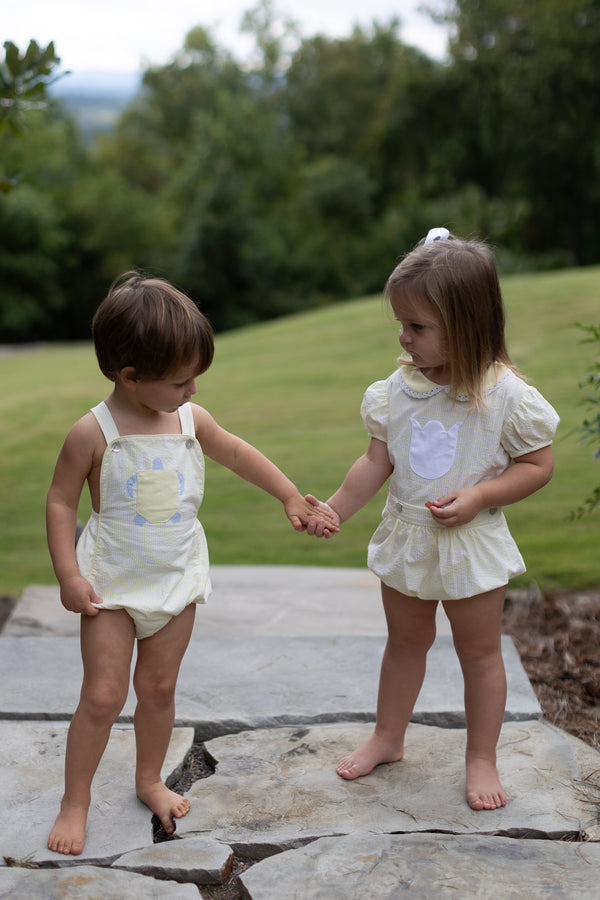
(111, 432)
(106, 422)
(186, 417)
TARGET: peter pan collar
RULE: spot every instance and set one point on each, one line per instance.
(415, 384)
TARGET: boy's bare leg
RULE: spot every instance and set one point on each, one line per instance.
(155, 678)
(411, 632)
(106, 648)
(476, 628)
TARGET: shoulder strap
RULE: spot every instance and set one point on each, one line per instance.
(106, 422)
(186, 417)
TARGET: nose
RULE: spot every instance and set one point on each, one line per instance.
(191, 388)
(403, 337)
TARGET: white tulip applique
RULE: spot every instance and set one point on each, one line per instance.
(432, 448)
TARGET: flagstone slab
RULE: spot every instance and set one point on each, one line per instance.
(427, 866)
(247, 601)
(31, 787)
(197, 860)
(234, 685)
(89, 883)
(278, 787)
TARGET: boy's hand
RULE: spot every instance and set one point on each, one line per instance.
(303, 516)
(78, 596)
(322, 514)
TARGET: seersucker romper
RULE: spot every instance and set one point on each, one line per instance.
(438, 444)
(145, 550)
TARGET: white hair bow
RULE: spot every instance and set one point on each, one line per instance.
(437, 234)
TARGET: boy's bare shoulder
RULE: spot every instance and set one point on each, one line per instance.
(202, 417)
(85, 436)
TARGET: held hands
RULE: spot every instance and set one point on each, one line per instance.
(308, 514)
(78, 596)
(457, 508)
(321, 515)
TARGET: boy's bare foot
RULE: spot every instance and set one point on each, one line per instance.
(68, 834)
(164, 803)
(484, 790)
(363, 760)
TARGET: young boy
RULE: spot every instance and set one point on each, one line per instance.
(141, 563)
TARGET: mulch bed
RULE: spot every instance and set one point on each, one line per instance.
(558, 639)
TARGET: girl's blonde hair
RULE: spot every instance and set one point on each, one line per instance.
(459, 281)
(149, 324)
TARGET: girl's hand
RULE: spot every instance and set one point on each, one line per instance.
(78, 596)
(457, 508)
(301, 513)
(316, 525)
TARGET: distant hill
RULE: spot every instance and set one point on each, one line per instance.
(96, 99)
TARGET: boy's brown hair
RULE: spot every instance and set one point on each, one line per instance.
(149, 324)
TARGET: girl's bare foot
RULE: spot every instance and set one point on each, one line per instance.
(164, 803)
(484, 790)
(68, 834)
(363, 760)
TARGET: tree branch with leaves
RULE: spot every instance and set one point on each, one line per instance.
(590, 427)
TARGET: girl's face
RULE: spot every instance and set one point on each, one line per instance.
(421, 336)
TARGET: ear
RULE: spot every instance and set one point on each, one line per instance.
(129, 379)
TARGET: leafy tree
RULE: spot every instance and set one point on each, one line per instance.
(275, 39)
(172, 95)
(530, 114)
(230, 191)
(358, 97)
(24, 80)
(23, 84)
(31, 241)
(35, 237)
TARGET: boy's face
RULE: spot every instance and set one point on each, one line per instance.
(169, 393)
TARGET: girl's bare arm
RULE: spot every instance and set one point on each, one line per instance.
(365, 477)
(527, 474)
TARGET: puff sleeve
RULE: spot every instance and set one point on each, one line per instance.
(375, 410)
(532, 425)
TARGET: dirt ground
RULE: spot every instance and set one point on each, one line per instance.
(558, 639)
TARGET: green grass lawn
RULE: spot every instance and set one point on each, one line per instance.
(293, 387)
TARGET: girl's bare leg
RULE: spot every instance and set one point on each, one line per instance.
(476, 628)
(106, 648)
(155, 677)
(411, 632)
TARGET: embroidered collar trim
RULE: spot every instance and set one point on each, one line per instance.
(415, 384)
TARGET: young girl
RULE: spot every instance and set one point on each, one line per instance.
(141, 563)
(460, 435)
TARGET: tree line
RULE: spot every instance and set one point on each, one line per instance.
(300, 175)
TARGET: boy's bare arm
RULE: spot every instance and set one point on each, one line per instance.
(74, 463)
(250, 464)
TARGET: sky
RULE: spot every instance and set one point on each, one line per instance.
(129, 35)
